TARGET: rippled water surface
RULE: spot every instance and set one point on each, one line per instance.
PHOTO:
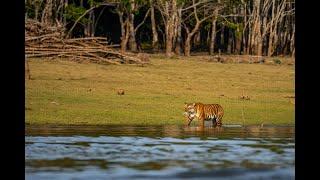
(159, 152)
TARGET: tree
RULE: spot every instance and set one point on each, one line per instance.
(126, 10)
(255, 27)
(201, 11)
(168, 10)
(213, 30)
(155, 40)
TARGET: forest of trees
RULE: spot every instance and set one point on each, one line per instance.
(251, 27)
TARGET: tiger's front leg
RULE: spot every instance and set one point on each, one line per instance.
(214, 123)
(219, 123)
(202, 122)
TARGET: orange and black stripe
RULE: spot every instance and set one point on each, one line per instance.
(213, 112)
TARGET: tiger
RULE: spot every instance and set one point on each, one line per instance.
(204, 112)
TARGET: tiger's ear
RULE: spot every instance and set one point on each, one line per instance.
(194, 104)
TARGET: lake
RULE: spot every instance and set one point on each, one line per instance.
(159, 152)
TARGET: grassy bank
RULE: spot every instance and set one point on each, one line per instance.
(64, 92)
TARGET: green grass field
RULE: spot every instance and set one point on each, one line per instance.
(70, 93)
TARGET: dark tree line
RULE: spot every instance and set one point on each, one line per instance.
(254, 27)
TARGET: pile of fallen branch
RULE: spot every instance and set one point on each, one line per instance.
(35, 29)
(47, 41)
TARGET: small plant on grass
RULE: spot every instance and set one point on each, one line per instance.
(277, 61)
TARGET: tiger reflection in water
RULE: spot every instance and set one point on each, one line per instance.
(204, 112)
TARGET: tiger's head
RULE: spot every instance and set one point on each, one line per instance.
(190, 110)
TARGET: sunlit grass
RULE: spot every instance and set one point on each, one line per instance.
(64, 92)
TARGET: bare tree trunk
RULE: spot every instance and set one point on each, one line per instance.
(47, 13)
(292, 48)
(169, 38)
(91, 27)
(125, 39)
(37, 5)
(163, 35)
(292, 41)
(252, 28)
(197, 39)
(170, 8)
(230, 41)
(187, 45)
(271, 31)
(213, 33)
(244, 37)
(175, 33)
(222, 38)
(92, 24)
(154, 30)
(124, 32)
(238, 42)
(285, 42)
(36, 12)
(248, 51)
(293, 53)
(132, 37)
(256, 25)
(238, 33)
(26, 12)
(256, 34)
(60, 11)
(64, 17)
(178, 38)
(88, 26)
(208, 39)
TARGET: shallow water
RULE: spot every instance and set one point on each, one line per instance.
(161, 152)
